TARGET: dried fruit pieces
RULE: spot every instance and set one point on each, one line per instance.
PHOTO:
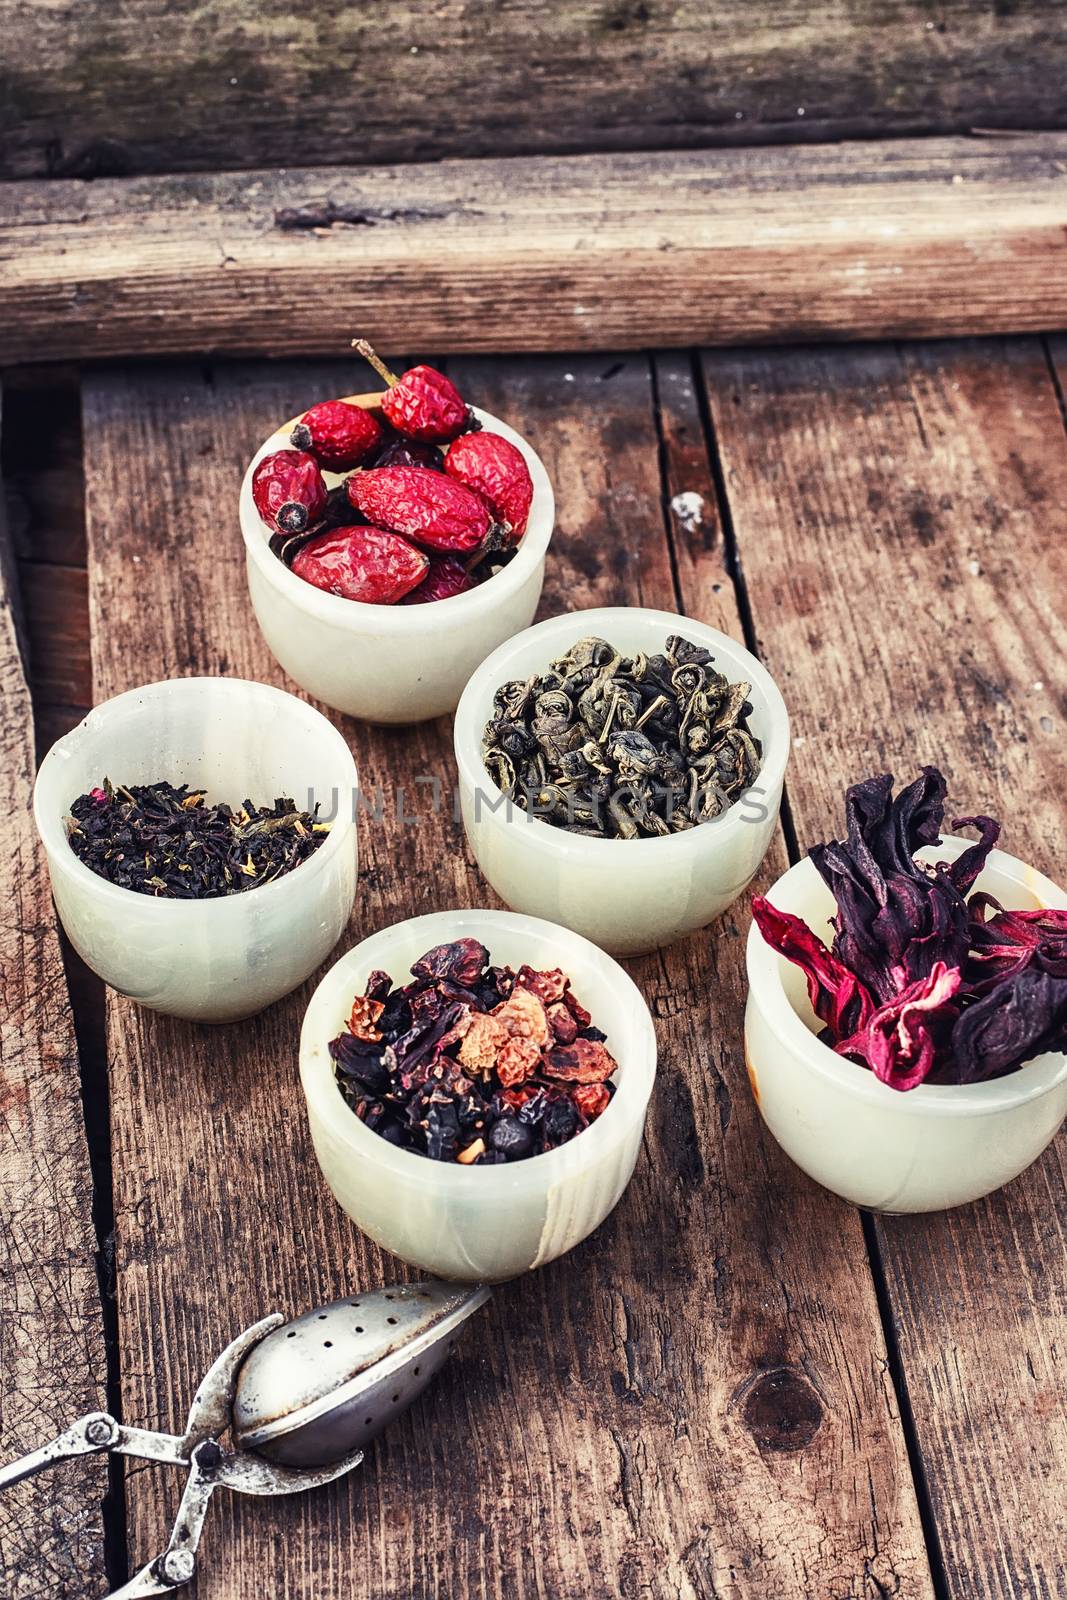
(367, 564)
(468, 515)
(424, 506)
(922, 984)
(617, 747)
(289, 491)
(338, 434)
(473, 1063)
(498, 471)
(423, 404)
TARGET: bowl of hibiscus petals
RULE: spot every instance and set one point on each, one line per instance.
(392, 540)
(476, 1085)
(906, 1024)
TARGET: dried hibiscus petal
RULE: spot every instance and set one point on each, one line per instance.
(896, 918)
(900, 1039)
(1009, 941)
(1023, 1016)
(838, 998)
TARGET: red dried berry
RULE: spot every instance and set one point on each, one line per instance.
(445, 578)
(497, 470)
(426, 506)
(423, 404)
(367, 564)
(409, 453)
(289, 491)
(339, 435)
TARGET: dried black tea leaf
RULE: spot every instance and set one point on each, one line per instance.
(162, 840)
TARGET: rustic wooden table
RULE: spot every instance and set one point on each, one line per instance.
(739, 1386)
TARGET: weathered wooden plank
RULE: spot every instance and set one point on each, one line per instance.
(900, 516)
(696, 1401)
(94, 89)
(599, 252)
(51, 1330)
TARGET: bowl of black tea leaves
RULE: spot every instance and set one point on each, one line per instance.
(201, 842)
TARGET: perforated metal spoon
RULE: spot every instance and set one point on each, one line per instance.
(299, 1398)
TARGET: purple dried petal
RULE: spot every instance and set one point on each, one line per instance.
(966, 868)
(1010, 941)
(1023, 1016)
(896, 918)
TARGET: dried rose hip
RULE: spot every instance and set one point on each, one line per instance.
(338, 434)
(423, 404)
(446, 577)
(410, 453)
(367, 564)
(425, 506)
(497, 471)
(289, 491)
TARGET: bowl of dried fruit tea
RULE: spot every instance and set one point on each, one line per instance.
(476, 1084)
(201, 843)
(907, 1009)
(620, 772)
(392, 540)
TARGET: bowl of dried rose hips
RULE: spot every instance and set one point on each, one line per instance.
(476, 1085)
(620, 771)
(393, 539)
(906, 1023)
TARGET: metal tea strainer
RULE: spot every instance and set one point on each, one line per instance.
(300, 1399)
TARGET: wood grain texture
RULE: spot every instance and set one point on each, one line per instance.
(694, 1403)
(901, 523)
(146, 86)
(51, 1330)
(600, 252)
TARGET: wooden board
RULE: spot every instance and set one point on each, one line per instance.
(695, 1402)
(52, 1363)
(900, 516)
(93, 89)
(600, 252)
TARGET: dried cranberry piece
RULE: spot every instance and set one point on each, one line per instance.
(367, 564)
(422, 505)
(338, 434)
(289, 491)
(497, 470)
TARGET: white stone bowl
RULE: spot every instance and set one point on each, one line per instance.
(627, 895)
(475, 1223)
(392, 663)
(211, 960)
(923, 1149)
